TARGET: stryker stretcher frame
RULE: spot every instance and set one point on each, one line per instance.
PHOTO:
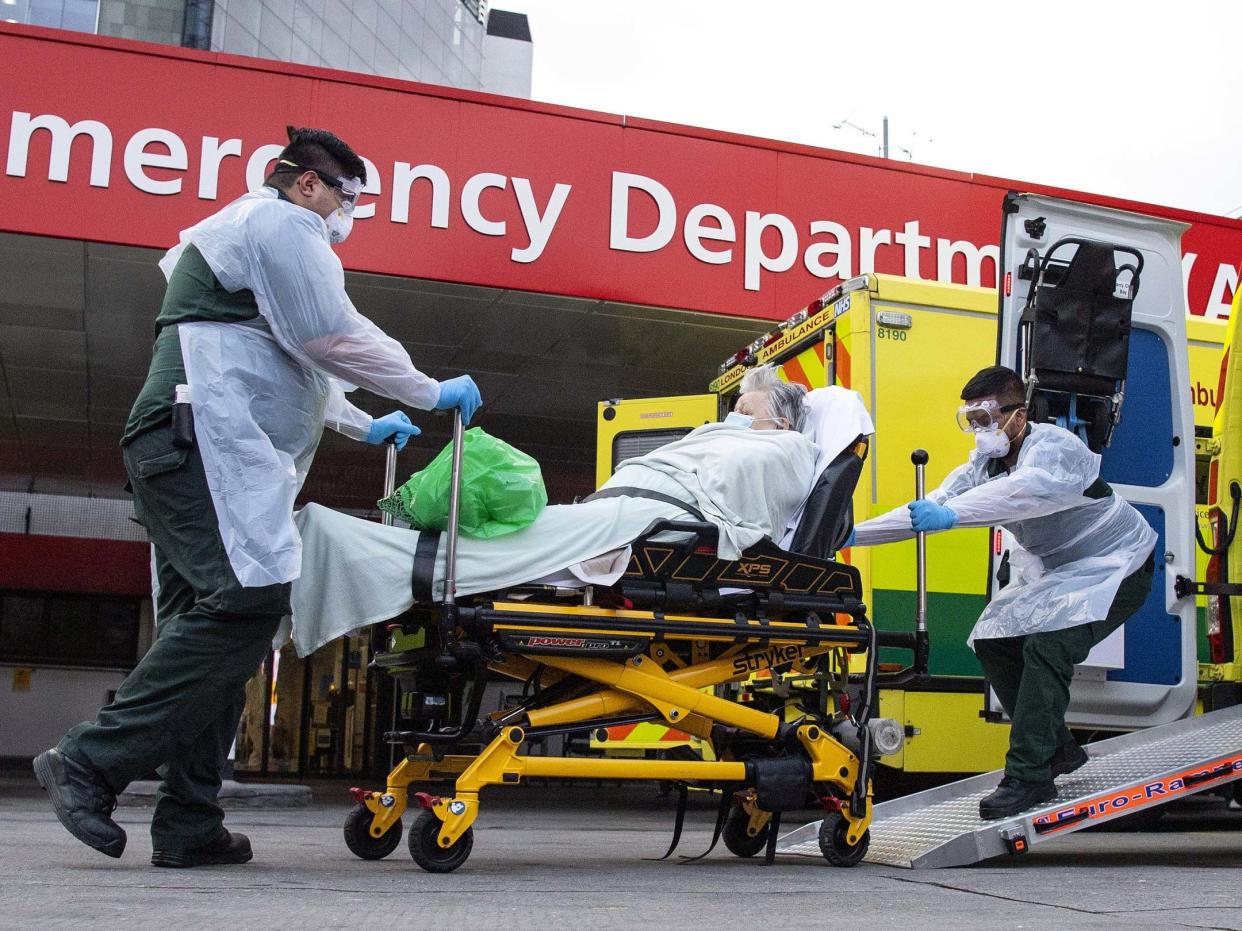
(663, 636)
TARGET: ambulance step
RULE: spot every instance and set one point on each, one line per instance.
(941, 827)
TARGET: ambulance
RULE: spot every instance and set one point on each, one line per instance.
(1220, 671)
(907, 346)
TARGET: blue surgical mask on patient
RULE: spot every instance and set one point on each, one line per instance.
(734, 419)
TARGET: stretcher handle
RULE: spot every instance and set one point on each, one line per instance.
(919, 457)
(450, 553)
(390, 475)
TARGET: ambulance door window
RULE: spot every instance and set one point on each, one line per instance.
(1141, 451)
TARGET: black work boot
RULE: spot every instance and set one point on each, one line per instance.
(1013, 796)
(1068, 758)
(224, 849)
(82, 800)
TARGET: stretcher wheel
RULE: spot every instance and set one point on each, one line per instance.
(735, 837)
(358, 835)
(832, 844)
(426, 850)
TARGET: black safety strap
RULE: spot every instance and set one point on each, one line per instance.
(626, 492)
(424, 566)
(774, 828)
(1187, 587)
(726, 802)
(677, 823)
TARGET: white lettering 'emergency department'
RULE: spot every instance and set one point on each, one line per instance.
(760, 243)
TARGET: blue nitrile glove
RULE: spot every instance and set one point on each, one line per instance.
(927, 516)
(396, 425)
(460, 392)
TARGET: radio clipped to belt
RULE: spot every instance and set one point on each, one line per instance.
(182, 418)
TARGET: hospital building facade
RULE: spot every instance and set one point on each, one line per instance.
(559, 256)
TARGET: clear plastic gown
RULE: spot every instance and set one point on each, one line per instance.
(1085, 546)
(262, 393)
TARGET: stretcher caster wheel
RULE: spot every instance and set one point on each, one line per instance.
(833, 845)
(426, 849)
(358, 835)
(735, 835)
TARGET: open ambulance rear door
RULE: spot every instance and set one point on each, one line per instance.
(1129, 403)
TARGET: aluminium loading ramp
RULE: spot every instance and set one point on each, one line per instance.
(941, 827)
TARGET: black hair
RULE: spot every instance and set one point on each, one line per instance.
(996, 381)
(318, 150)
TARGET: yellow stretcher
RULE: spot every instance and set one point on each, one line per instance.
(654, 647)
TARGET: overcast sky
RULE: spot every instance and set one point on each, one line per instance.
(1140, 100)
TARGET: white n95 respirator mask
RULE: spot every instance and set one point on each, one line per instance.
(340, 223)
(994, 445)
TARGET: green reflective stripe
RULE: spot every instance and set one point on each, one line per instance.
(950, 619)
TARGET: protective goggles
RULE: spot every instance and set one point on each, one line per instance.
(347, 189)
(984, 416)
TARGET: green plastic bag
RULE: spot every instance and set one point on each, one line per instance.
(501, 489)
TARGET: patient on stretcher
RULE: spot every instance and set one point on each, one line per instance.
(748, 476)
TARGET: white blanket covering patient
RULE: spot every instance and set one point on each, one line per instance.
(750, 483)
(747, 482)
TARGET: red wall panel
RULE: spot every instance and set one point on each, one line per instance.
(72, 564)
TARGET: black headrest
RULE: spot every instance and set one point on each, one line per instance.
(1079, 328)
(828, 516)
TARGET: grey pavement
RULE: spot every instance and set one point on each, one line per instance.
(233, 794)
(551, 857)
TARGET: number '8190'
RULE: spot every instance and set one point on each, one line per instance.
(890, 333)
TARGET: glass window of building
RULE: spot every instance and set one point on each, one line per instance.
(78, 15)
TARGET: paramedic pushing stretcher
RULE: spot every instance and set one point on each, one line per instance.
(255, 320)
(1085, 566)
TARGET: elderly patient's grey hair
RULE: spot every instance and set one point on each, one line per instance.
(785, 399)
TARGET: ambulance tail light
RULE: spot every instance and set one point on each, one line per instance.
(1218, 617)
(1219, 612)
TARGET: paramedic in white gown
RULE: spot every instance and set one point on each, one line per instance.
(258, 338)
(1086, 566)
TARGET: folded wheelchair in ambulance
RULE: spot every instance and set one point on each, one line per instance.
(1076, 334)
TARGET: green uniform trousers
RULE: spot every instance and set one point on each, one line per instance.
(177, 712)
(1031, 677)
